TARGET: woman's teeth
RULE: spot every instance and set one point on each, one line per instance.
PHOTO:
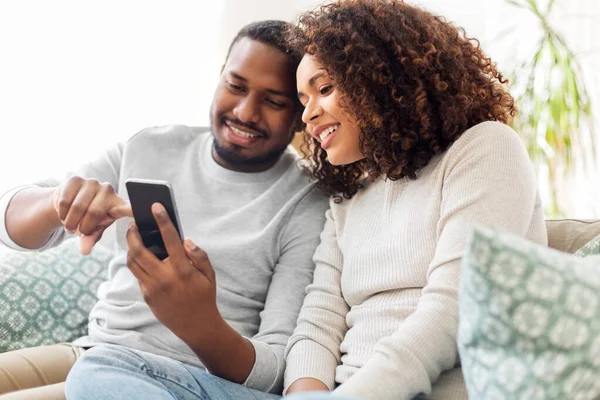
(242, 133)
(327, 131)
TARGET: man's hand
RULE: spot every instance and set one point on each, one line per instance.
(181, 289)
(87, 207)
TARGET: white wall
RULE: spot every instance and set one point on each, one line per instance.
(237, 13)
(78, 75)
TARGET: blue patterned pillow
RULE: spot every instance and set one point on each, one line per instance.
(45, 297)
(529, 320)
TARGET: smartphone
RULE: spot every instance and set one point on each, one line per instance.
(142, 194)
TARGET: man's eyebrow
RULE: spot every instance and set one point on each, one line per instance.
(312, 80)
(280, 93)
(238, 76)
(272, 91)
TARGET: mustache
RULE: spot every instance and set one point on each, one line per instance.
(252, 127)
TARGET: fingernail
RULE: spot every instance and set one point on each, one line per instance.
(190, 245)
(159, 210)
(131, 226)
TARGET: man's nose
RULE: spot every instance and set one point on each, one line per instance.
(248, 109)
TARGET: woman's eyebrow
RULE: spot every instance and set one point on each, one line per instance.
(316, 76)
(312, 80)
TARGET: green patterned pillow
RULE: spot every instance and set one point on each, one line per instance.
(45, 297)
(591, 248)
(529, 320)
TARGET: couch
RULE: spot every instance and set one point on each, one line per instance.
(45, 297)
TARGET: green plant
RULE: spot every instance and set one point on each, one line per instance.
(555, 117)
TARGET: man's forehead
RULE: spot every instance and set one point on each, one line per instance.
(258, 63)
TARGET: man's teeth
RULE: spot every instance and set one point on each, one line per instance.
(327, 131)
(242, 133)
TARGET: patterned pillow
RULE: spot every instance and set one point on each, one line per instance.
(529, 320)
(591, 248)
(45, 297)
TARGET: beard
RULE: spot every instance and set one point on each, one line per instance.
(235, 157)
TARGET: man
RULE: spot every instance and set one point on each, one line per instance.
(226, 300)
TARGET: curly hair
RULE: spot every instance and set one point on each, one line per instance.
(411, 80)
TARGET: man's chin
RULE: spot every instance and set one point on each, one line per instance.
(232, 154)
(236, 156)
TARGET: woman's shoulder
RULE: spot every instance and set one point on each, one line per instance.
(490, 137)
(490, 132)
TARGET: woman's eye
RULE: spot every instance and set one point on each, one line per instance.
(325, 89)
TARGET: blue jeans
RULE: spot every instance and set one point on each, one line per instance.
(110, 372)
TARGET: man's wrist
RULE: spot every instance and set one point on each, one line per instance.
(223, 351)
(205, 333)
(49, 210)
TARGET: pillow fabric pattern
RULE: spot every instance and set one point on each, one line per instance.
(591, 248)
(45, 297)
(529, 320)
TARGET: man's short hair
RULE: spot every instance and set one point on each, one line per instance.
(269, 32)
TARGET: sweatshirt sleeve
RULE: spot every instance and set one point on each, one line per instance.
(488, 180)
(292, 273)
(314, 349)
(105, 169)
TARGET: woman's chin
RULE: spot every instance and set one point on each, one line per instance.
(333, 160)
(341, 159)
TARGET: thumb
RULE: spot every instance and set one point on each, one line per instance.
(199, 258)
(121, 210)
(87, 242)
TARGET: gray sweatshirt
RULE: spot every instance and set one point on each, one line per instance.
(260, 231)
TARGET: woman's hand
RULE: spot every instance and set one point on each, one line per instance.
(307, 385)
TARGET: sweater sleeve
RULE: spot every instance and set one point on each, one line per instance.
(488, 179)
(105, 169)
(292, 274)
(314, 349)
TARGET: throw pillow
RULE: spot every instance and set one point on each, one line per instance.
(45, 297)
(591, 248)
(529, 320)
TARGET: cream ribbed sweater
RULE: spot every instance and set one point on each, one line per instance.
(380, 319)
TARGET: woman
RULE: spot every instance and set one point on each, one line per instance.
(407, 130)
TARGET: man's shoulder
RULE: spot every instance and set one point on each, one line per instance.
(296, 172)
(170, 135)
(302, 186)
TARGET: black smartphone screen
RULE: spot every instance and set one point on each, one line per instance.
(142, 194)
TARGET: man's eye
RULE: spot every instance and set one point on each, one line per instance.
(235, 87)
(325, 89)
(275, 103)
